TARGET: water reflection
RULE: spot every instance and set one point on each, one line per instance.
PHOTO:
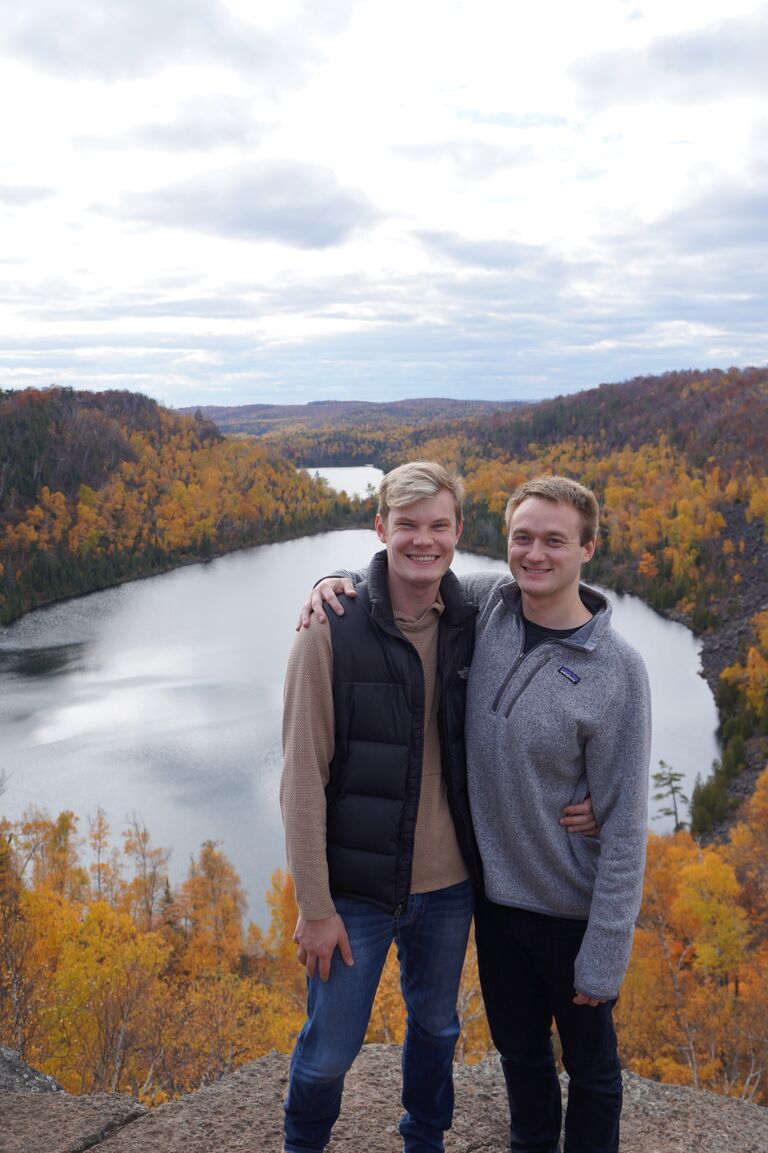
(40, 662)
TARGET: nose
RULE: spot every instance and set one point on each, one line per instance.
(422, 535)
(536, 549)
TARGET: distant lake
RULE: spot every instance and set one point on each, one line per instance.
(354, 481)
(163, 698)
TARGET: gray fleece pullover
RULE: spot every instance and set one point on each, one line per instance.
(545, 728)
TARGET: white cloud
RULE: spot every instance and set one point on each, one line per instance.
(697, 64)
(302, 205)
(113, 39)
(220, 120)
(19, 195)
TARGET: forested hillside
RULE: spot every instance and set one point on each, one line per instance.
(96, 488)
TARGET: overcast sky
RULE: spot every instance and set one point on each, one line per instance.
(231, 201)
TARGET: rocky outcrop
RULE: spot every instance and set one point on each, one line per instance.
(242, 1114)
(18, 1077)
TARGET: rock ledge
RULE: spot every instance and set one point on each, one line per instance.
(242, 1114)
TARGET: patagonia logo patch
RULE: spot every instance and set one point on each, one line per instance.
(569, 674)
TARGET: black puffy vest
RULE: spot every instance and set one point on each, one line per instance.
(375, 775)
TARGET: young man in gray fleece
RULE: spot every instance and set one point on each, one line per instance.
(558, 706)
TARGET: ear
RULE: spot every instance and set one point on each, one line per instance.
(459, 528)
(589, 550)
(381, 531)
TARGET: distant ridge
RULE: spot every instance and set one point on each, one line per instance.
(258, 419)
(705, 413)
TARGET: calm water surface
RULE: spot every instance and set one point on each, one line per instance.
(355, 481)
(162, 698)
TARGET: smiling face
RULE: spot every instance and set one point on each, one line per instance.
(421, 539)
(546, 555)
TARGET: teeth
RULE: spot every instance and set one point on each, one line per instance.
(424, 559)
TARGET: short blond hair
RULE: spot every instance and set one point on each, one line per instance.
(418, 480)
(560, 490)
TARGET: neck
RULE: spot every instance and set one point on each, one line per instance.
(409, 600)
(564, 612)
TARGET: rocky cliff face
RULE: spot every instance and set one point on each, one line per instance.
(728, 643)
(242, 1114)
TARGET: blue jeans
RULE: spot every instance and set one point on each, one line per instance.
(525, 961)
(431, 935)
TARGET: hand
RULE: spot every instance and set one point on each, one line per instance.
(317, 941)
(583, 999)
(580, 818)
(325, 593)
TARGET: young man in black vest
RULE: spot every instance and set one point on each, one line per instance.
(378, 831)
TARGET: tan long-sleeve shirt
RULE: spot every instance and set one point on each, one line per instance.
(308, 747)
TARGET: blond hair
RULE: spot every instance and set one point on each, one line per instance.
(418, 480)
(560, 490)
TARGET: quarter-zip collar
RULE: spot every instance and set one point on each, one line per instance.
(587, 637)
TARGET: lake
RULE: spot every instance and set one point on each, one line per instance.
(162, 698)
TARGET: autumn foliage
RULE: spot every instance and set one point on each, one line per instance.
(694, 1007)
(99, 487)
(113, 980)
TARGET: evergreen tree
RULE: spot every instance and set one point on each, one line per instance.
(668, 788)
